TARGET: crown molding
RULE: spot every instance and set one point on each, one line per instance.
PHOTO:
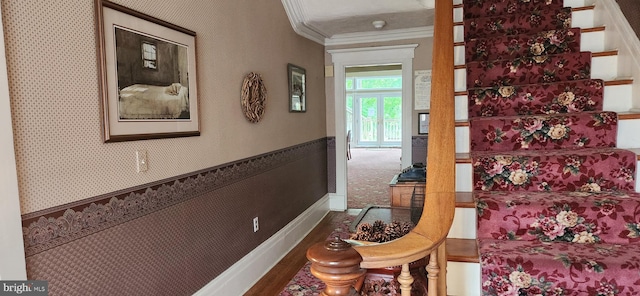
(297, 18)
(379, 36)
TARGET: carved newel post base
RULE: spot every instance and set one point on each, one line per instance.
(337, 264)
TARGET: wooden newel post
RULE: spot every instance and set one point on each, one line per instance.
(337, 264)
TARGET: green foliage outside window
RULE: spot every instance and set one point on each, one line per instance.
(380, 83)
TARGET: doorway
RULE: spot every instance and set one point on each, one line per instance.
(344, 58)
(374, 118)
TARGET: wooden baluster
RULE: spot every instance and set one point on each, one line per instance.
(337, 265)
(405, 279)
(432, 273)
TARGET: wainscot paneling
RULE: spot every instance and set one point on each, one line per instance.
(173, 236)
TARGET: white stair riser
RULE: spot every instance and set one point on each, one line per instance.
(461, 104)
(583, 19)
(464, 224)
(628, 135)
(617, 98)
(604, 67)
(463, 279)
(462, 139)
(579, 19)
(590, 41)
(464, 177)
(593, 42)
(458, 14)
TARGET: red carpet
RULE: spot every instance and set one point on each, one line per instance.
(557, 207)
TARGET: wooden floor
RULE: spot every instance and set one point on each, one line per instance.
(277, 278)
(272, 283)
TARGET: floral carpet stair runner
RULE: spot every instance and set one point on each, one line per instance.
(557, 208)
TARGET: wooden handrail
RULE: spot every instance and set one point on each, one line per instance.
(439, 201)
(439, 205)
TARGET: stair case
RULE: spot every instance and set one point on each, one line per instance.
(547, 150)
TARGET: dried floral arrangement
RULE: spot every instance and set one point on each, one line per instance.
(254, 97)
(381, 232)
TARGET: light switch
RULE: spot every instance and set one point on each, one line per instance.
(141, 161)
(328, 71)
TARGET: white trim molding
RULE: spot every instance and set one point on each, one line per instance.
(297, 18)
(381, 55)
(240, 277)
(620, 35)
(299, 22)
(13, 265)
(380, 36)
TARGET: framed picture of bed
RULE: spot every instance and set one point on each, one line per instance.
(148, 76)
(297, 88)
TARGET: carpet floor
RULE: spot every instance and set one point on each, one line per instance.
(369, 172)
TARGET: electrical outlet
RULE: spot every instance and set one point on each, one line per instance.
(256, 226)
(142, 163)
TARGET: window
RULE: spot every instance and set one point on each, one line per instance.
(373, 83)
(149, 57)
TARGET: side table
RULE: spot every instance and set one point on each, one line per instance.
(401, 192)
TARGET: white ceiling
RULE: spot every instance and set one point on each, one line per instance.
(331, 22)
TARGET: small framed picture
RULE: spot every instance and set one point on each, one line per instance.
(148, 76)
(297, 89)
(423, 123)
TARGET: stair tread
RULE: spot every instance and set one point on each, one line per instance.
(587, 262)
(526, 216)
(621, 116)
(465, 200)
(533, 132)
(465, 157)
(462, 250)
(593, 55)
(520, 22)
(530, 70)
(628, 115)
(573, 9)
(622, 81)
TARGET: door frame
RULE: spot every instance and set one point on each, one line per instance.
(381, 55)
(13, 265)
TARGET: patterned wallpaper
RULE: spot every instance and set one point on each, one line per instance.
(173, 236)
(56, 108)
(93, 225)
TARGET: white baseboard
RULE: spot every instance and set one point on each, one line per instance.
(337, 202)
(245, 273)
